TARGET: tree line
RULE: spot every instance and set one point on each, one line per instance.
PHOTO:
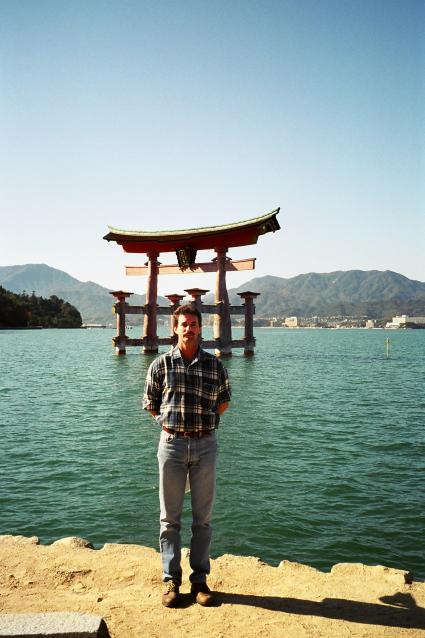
(30, 311)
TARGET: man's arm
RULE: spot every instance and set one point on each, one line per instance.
(224, 390)
(153, 390)
(222, 407)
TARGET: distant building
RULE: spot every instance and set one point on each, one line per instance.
(402, 320)
(291, 322)
(370, 323)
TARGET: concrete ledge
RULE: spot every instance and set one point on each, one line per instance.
(52, 625)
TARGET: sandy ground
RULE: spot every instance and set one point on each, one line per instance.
(122, 584)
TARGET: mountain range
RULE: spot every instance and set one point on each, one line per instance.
(357, 293)
(372, 293)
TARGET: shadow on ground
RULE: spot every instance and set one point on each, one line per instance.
(399, 610)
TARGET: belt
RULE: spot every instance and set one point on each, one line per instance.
(188, 435)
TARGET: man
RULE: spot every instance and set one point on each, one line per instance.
(186, 391)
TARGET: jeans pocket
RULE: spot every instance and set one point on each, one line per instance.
(166, 437)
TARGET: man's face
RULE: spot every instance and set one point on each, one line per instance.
(187, 330)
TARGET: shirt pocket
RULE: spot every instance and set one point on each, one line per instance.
(209, 395)
(174, 381)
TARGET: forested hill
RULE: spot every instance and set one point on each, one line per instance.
(92, 300)
(29, 311)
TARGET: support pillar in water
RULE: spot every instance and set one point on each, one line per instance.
(248, 298)
(120, 339)
(175, 303)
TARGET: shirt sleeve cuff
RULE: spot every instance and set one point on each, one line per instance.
(148, 405)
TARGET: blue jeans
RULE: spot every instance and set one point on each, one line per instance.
(177, 457)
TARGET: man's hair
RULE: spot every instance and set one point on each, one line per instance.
(186, 309)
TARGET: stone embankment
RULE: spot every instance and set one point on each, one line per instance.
(122, 585)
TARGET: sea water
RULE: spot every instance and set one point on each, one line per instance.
(322, 452)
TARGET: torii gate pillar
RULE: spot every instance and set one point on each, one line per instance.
(150, 323)
(222, 321)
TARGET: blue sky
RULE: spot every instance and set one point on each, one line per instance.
(158, 115)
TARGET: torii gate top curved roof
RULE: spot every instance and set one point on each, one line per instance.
(226, 236)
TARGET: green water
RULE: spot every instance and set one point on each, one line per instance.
(322, 454)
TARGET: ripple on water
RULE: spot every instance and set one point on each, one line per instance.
(321, 453)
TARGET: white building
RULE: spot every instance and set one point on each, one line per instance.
(402, 320)
(291, 322)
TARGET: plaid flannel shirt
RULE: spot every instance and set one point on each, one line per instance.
(186, 396)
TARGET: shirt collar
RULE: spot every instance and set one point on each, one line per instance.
(176, 354)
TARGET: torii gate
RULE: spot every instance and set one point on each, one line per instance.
(186, 243)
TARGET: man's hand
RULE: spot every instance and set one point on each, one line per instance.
(222, 407)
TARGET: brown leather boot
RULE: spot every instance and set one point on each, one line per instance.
(202, 594)
(170, 596)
